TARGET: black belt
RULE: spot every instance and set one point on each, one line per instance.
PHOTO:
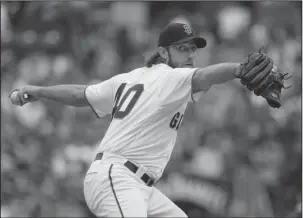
(132, 167)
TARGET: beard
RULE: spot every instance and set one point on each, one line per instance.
(172, 64)
(176, 65)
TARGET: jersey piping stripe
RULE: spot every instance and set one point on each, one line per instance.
(112, 185)
(90, 104)
(191, 93)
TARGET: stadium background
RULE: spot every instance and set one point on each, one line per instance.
(230, 136)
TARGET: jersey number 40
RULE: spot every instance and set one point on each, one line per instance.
(122, 108)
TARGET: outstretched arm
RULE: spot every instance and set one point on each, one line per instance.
(204, 78)
(72, 95)
(100, 97)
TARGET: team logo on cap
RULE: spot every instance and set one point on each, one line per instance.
(187, 29)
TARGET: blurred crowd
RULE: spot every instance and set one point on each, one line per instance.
(235, 156)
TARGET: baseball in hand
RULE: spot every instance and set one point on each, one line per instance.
(15, 98)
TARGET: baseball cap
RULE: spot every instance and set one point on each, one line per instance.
(175, 33)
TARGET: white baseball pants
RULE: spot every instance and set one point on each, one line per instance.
(112, 190)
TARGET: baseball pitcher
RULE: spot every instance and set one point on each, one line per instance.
(147, 107)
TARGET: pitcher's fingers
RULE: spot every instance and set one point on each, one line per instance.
(25, 96)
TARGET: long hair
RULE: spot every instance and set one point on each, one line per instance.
(154, 59)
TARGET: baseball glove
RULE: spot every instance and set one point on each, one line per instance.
(259, 74)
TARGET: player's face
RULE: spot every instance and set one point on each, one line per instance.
(182, 55)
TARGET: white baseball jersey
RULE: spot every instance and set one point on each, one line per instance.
(147, 107)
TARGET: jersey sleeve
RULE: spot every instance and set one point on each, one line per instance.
(178, 87)
(195, 97)
(100, 97)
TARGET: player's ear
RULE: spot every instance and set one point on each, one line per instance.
(163, 54)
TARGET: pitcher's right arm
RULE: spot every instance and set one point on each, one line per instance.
(72, 95)
(99, 97)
